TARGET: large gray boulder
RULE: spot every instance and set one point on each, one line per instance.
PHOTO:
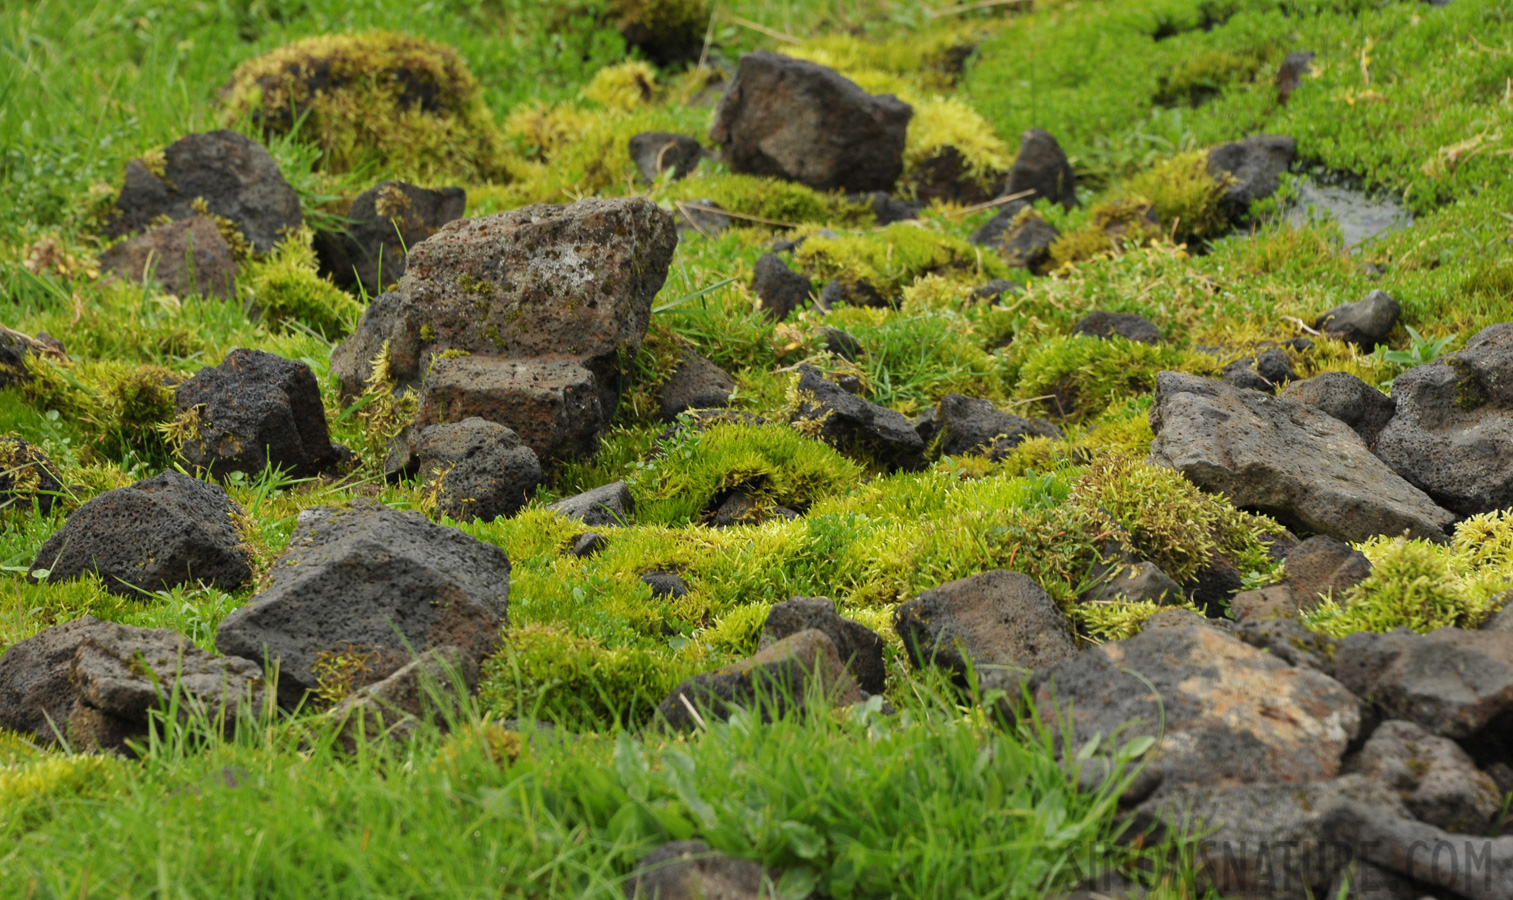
(798, 120)
(1452, 435)
(1454, 683)
(234, 177)
(151, 536)
(1285, 459)
(1477, 867)
(1224, 712)
(527, 318)
(1347, 398)
(1437, 781)
(359, 590)
(255, 410)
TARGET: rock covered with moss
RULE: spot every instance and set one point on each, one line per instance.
(527, 318)
(1288, 460)
(383, 222)
(358, 590)
(154, 535)
(667, 31)
(403, 104)
(797, 120)
(189, 258)
(26, 476)
(219, 173)
(1452, 434)
(847, 422)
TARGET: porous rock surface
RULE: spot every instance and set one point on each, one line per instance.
(189, 257)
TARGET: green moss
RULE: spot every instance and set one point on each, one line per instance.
(30, 791)
(1184, 195)
(666, 30)
(1115, 620)
(285, 288)
(942, 122)
(1204, 75)
(1113, 227)
(772, 199)
(895, 257)
(1470, 394)
(773, 462)
(627, 86)
(1076, 377)
(406, 105)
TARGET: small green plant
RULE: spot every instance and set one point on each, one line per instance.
(1421, 350)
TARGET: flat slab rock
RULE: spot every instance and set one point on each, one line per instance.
(154, 535)
(363, 588)
(1232, 714)
(1285, 459)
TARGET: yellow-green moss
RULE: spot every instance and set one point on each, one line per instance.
(284, 288)
(629, 85)
(30, 790)
(666, 30)
(1203, 75)
(942, 122)
(1112, 228)
(539, 131)
(1085, 375)
(1115, 620)
(771, 199)
(1185, 197)
(403, 104)
(894, 257)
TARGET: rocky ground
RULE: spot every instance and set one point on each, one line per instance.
(658, 449)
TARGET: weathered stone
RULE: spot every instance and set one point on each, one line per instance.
(1214, 585)
(887, 209)
(36, 695)
(120, 674)
(793, 119)
(255, 410)
(610, 504)
(1290, 74)
(1225, 713)
(1450, 681)
(151, 536)
(1321, 567)
(842, 344)
(947, 176)
(1103, 324)
(739, 508)
(656, 152)
(1138, 582)
(779, 289)
(1436, 779)
(1365, 323)
(1042, 167)
(358, 590)
(776, 681)
(422, 692)
(26, 476)
(849, 423)
(1285, 459)
(1021, 236)
(1474, 867)
(665, 584)
(1289, 641)
(1256, 164)
(689, 870)
(972, 426)
(553, 404)
(232, 175)
(1274, 366)
(554, 285)
(589, 544)
(696, 383)
(478, 470)
(860, 648)
(1452, 435)
(189, 257)
(382, 222)
(1347, 398)
(1242, 374)
(1000, 624)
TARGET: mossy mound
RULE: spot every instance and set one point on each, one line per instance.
(667, 31)
(891, 259)
(285, 291)
(405, 105)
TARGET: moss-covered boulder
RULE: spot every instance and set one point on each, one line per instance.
(667, 31)
(403, 104)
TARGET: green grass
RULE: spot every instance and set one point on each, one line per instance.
(938, 801)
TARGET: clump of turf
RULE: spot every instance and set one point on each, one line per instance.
(405, 105)
(667, 31)
(890, 259)
(285, 288)
(1075, 377)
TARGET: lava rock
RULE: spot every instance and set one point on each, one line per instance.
(842, 344)
(849, 423)
(665, 584)
(1290, 74)
(1347, 398)
(1289, 641)
(1256, 164)
(780, 289)
(696, 383)
(1321, 567)
(1274, 366)
(590, 544)
(478, 470)
(233, 175)
(860, 648)
(358, 590)
(1451, 682)
(121, 674)
(794, 119)
(1436, 779)
(996, 290)
(1242, 374)
(424, 691)
(689, 870)
(1365, 323)
(26, 476)
(1000, 623)
(776, 681)
(382, 222)
(1285, 459)
(655, 152)
(976, 427)
(1042, 167)
(1133, 582)
(1103, 324)
(610, 504)
(703, 216)
(255, 410)
(886, 209)
(947, 176)
(1275, 601)
(1452, 435)
(1021, 236)
(151, 536)
(560, 293)
(15, 349)
(991, 232)
(1223, 712)
(739, 508)
(850, 293)
(554, 405)
(36, 693)
(188, 258)
(1482, 869)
